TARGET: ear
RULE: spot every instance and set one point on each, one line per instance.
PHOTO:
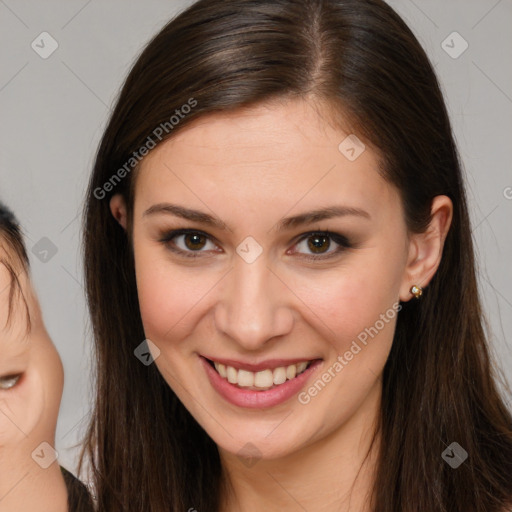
(118, 209)
(426, 249)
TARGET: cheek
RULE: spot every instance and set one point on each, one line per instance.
(359, 307)
(157, 301)
(21, 409)
(353, 298)
(166, 295)
(156, 292)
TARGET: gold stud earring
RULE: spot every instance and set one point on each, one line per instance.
(417, 291)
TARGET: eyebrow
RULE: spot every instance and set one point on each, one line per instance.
(328, 212)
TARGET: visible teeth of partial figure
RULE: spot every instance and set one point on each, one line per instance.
(264, 379)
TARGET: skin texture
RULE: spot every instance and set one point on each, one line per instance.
(29, 409)
(251, 168)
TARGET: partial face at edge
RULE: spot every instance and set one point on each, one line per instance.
(251, 169)
(29, 404)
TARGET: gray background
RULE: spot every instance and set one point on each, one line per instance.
(53, 112)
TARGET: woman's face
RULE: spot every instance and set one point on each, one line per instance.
(31, 378)
(249, 294)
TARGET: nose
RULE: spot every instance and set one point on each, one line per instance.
(255, 305)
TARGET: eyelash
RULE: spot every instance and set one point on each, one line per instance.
(342, 241)
(8, 379)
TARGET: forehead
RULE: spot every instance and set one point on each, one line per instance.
(266, 155)
(14, 344)
(257, 135)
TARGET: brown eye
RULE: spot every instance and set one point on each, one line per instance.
(318, 242)
(9, 381)
(194, 241)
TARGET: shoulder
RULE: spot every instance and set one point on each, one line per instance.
(79, 498)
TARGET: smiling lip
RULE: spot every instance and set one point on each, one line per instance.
(254, 399)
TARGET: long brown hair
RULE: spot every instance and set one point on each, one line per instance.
(147, 452)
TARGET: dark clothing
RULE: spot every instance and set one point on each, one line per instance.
(79, 498)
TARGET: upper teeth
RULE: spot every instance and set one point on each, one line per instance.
(261, 380)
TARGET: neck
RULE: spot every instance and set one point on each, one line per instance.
(332, 473)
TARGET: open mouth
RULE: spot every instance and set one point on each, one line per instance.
(262, 380)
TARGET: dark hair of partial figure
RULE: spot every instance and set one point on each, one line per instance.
(13, 256)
